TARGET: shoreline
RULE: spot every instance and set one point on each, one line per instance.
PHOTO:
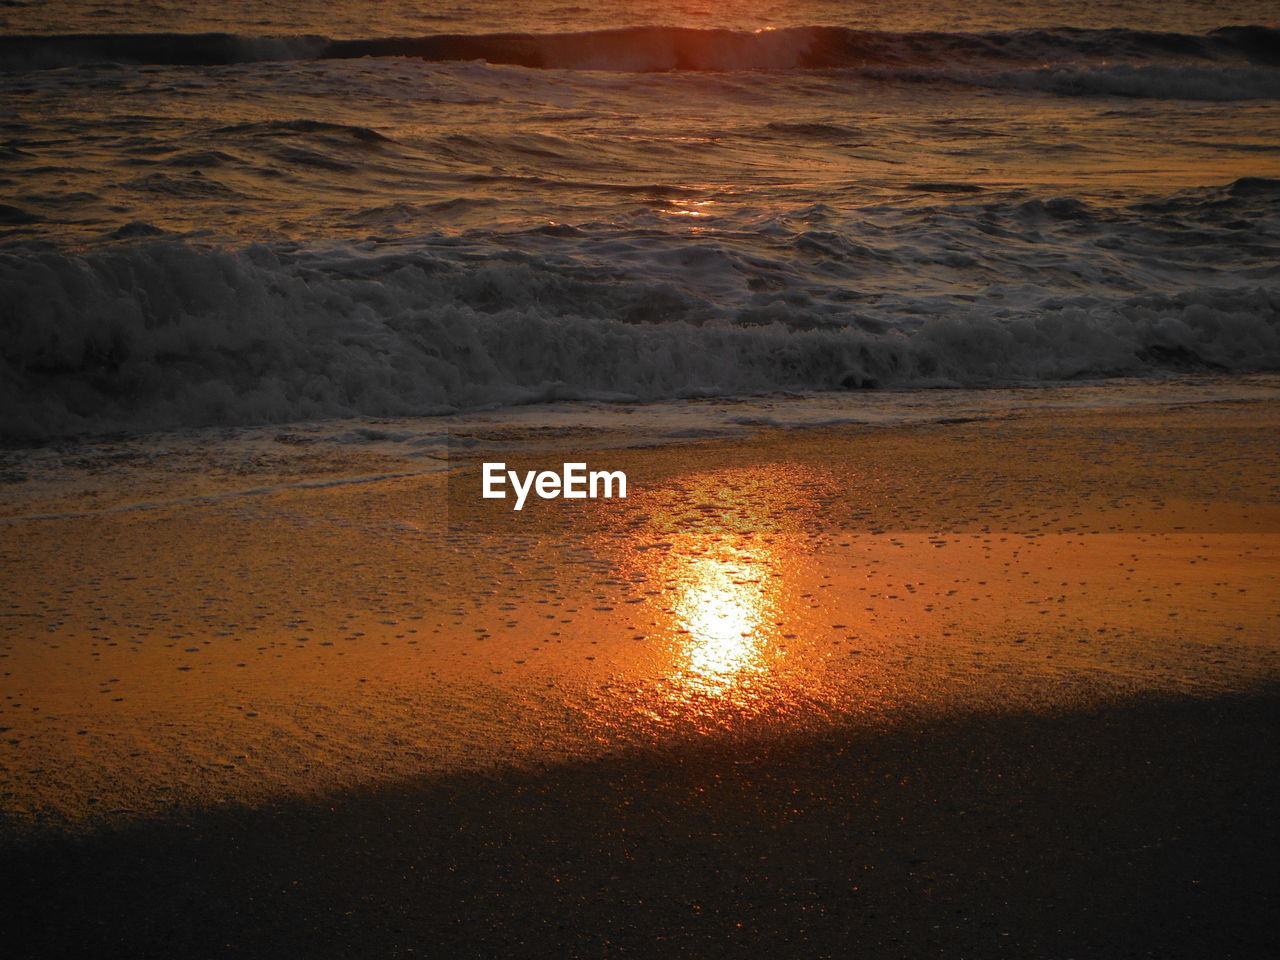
(122, 471)
(310, 638)
(998, 687)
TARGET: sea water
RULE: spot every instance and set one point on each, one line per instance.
(216, 213)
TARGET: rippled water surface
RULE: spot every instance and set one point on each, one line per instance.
(414, 209)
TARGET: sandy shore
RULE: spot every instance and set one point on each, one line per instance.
(1002, 687)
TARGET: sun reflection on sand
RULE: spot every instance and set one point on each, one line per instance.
(722, 606)
(720, 548)
(719, 553)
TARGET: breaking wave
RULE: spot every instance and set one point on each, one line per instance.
(162, 334)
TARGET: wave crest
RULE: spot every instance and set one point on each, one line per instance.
(646, 49)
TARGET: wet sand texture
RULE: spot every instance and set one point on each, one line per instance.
(1002, 688)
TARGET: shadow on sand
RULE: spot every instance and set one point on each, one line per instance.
(1140, 830)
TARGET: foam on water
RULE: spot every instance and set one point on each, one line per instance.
(163, 334)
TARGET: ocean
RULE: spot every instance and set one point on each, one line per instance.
(218, 214)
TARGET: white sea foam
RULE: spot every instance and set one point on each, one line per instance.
(162, 334)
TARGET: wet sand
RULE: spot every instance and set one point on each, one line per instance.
(993, 688)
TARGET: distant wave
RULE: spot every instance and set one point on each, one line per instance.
(647, 49)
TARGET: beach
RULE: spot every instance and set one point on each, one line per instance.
(994, 686)
(917, 368)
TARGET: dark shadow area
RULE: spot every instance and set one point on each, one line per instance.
(1139, 830)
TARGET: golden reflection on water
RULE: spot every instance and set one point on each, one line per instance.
(693, 208)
